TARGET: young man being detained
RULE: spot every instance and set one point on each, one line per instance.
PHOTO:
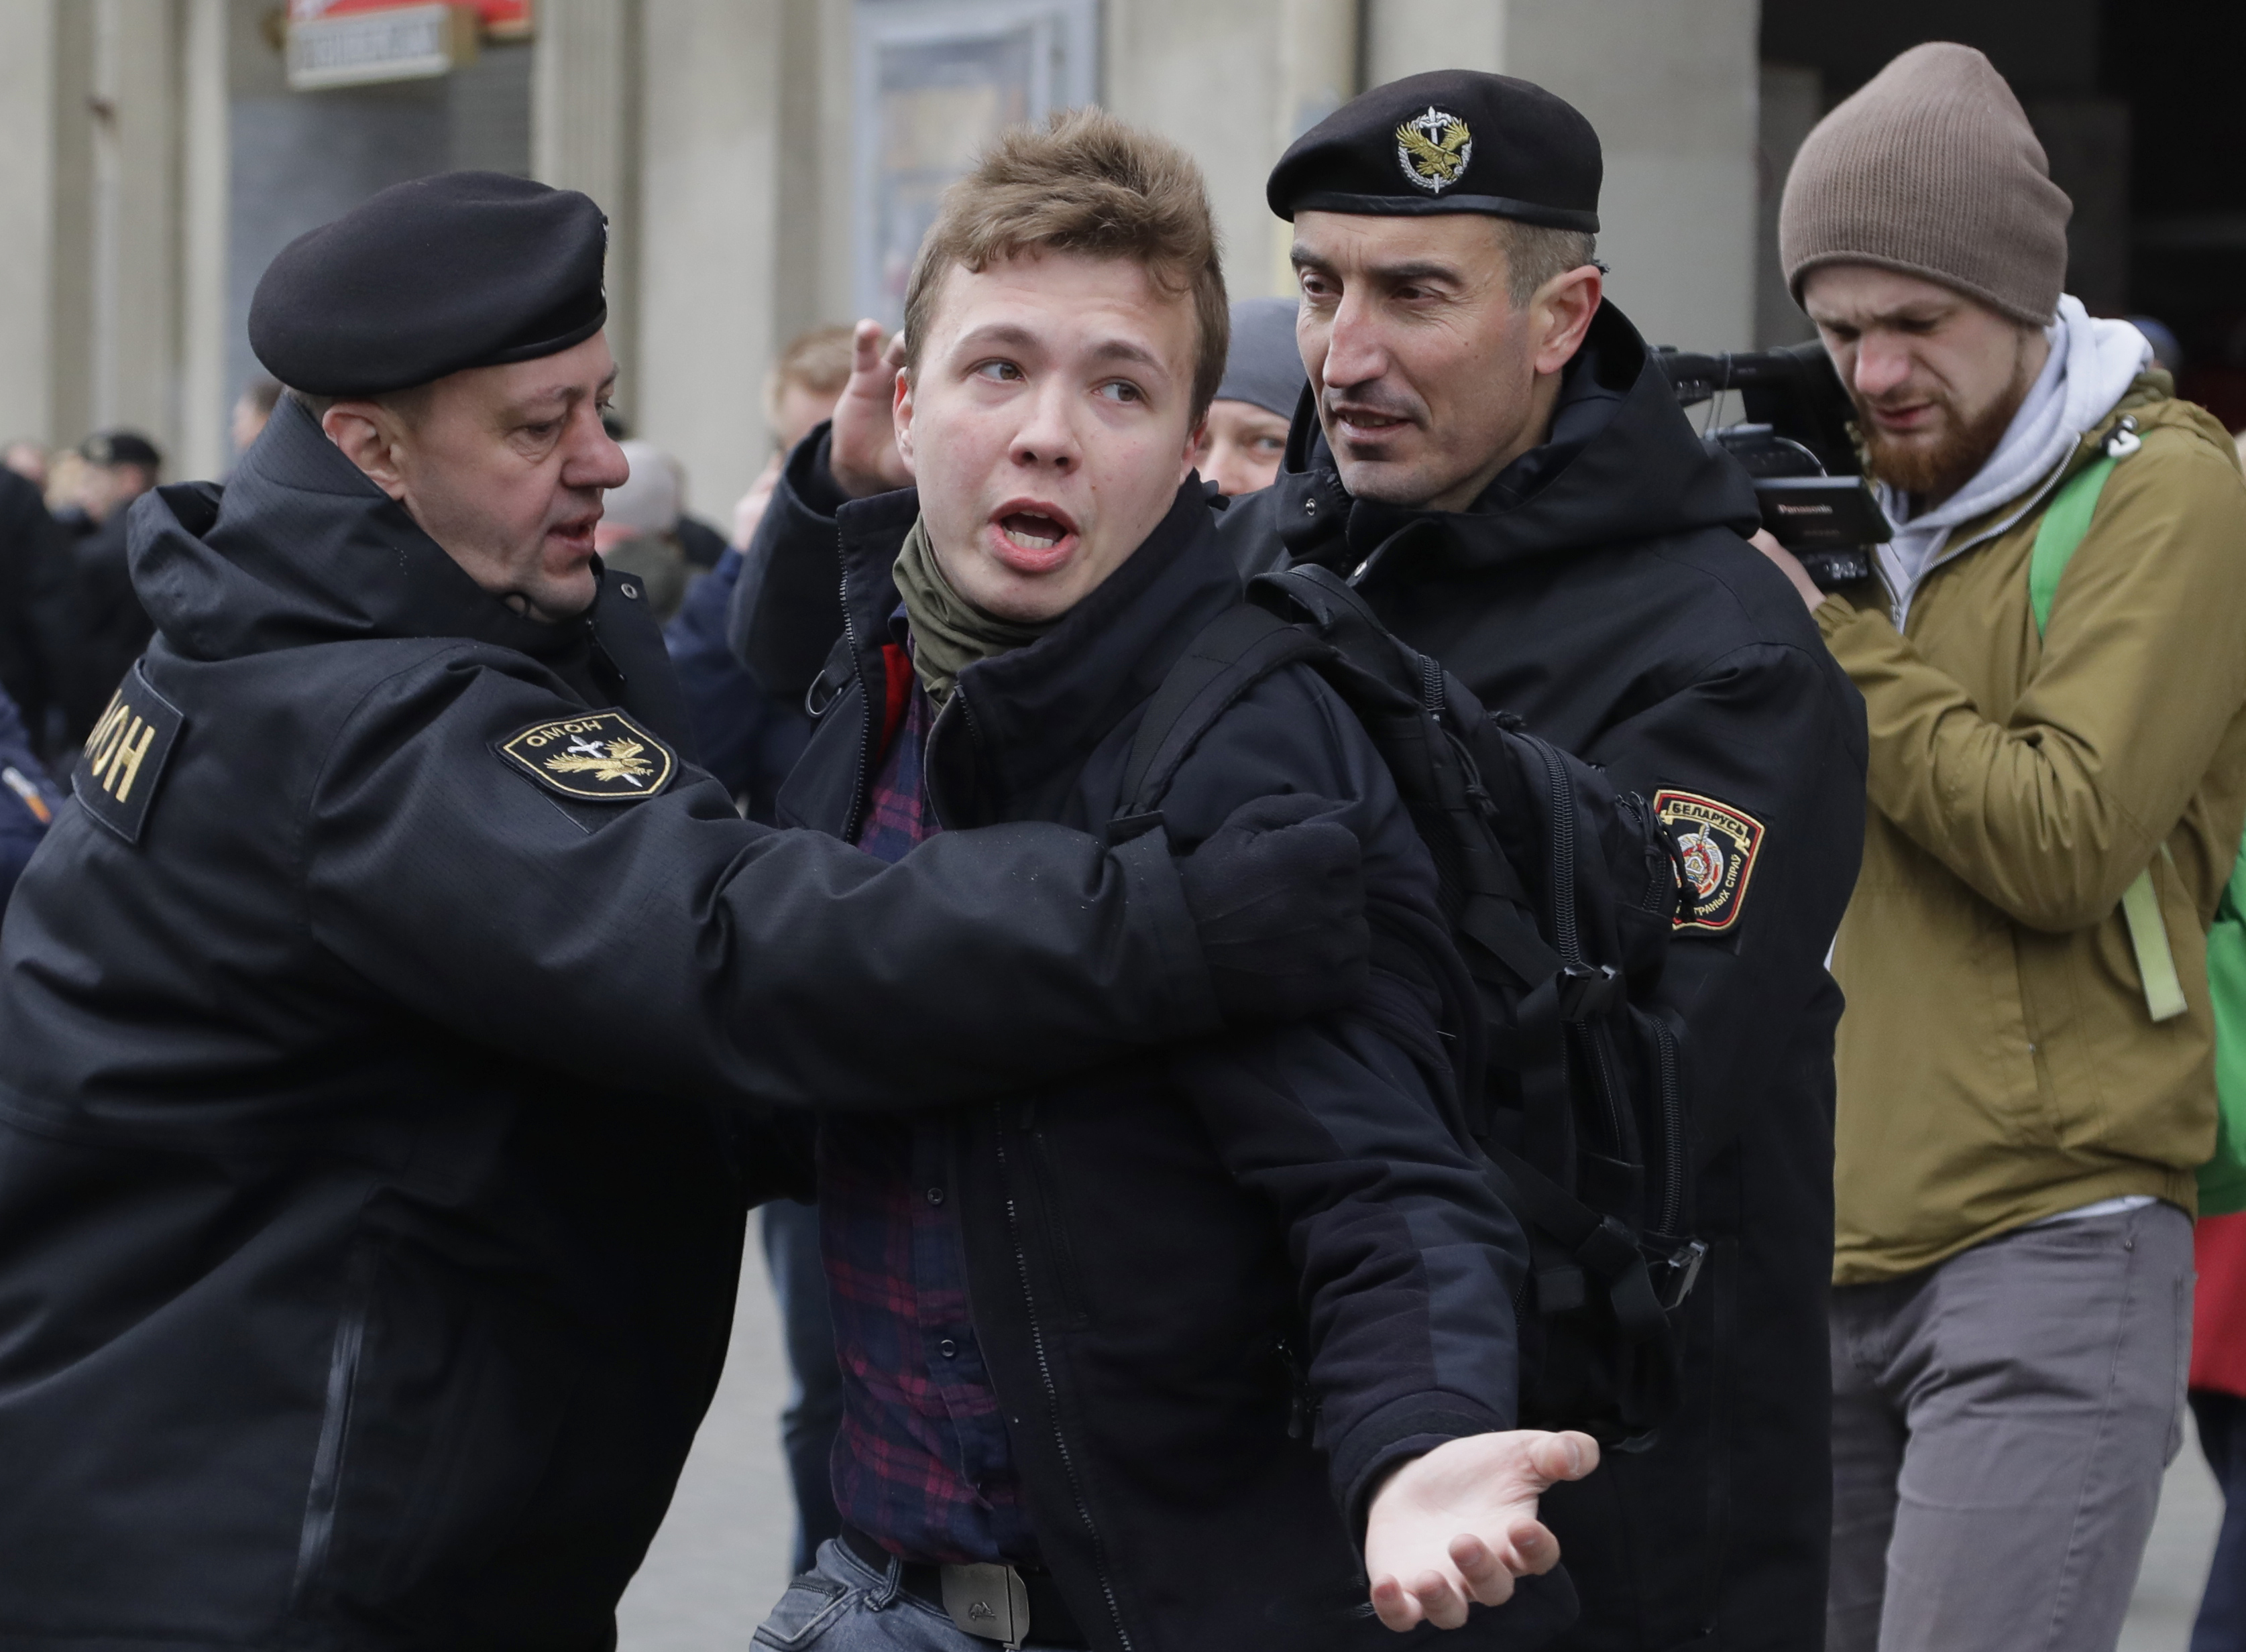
(1199, 1351)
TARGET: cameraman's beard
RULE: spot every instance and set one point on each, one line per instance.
(1933, 472)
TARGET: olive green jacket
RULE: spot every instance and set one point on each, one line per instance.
(1997, 1063)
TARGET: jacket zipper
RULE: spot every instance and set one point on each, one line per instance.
(1045, 1378)
(866, 695)
(1672, 1129)
(320, 1496)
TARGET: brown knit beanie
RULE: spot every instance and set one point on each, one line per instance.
(1931, 169)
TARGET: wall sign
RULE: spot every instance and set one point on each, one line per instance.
(356, 43)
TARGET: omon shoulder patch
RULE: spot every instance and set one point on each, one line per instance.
(602, 757)
(1718, 846)
(124, 759)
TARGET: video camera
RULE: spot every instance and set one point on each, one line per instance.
(1796, 446)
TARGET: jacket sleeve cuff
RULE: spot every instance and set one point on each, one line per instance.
(1839, 611)
(812, 474)
(1401, 1429)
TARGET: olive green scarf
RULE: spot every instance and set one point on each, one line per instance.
(950, 633)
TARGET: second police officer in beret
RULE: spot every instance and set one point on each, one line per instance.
(385, 1025)
(1490, 453)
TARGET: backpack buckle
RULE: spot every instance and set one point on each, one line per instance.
(1585, 991)
(1675, 1275)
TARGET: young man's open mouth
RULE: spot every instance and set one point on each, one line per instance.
(1032, 537)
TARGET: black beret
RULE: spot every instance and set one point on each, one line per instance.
(1450, 141)
(464, 269)
(120, 447)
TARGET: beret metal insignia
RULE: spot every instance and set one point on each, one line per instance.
(602, 757)
(1717, 846)
(1433, 149)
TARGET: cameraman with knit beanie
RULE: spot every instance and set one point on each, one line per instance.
(2057, 781)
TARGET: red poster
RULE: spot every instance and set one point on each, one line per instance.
(501, 19)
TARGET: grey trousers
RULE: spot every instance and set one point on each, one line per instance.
(2000, 1424)
(843, 1605)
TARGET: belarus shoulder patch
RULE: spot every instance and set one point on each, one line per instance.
(602, 757)
(1717, 846)
(124, 759)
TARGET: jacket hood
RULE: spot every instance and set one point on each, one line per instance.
(1621, 464)
(1038, 709)
(301, 547)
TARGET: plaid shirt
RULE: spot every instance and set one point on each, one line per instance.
(922, 1463)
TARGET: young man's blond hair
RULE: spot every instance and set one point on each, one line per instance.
(1084, 183)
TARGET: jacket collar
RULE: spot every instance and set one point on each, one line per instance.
(1621, 463)
(1030, 716)
(301, 547)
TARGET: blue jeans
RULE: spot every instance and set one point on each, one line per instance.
(844, 1605)
(2222, 1625)
(814, 1415)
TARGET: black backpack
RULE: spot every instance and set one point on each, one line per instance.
(1559, 894)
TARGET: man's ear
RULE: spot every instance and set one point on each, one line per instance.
(365, 434)
(1194, 438)
(1560, 314)
(901, 413)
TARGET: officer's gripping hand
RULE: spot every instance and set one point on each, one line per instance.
(862, 444)
(1460, 1524)
(1278, 896)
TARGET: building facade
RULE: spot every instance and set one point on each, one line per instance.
(766, 166)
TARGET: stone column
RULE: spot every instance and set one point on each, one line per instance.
(1412, 36)
(29, 121)
(1670, 86)
(709, 212)
(1318, 43)
(585, 96)
(205, 448)
(131, 370)
(1204, 73)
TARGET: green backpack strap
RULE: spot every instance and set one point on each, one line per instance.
(2066, 521)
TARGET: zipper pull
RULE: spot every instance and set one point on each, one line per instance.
(2123, 440)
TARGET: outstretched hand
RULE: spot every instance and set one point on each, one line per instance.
(862, 450)
(1456, 1526)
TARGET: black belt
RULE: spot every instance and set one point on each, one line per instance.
(981, 1599)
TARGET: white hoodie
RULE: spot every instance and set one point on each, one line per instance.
(2091, 364)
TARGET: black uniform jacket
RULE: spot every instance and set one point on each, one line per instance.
(1601, 589)
(1219, 1289)
(36, 619)
(109, 626)
(369, 1219)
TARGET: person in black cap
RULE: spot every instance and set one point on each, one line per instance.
(1246, 431)
(391, 1021)
(1491, 456)
(108, 626)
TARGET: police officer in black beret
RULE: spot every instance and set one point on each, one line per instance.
(389, 1022)
(1487, 450)
(1489, 453)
